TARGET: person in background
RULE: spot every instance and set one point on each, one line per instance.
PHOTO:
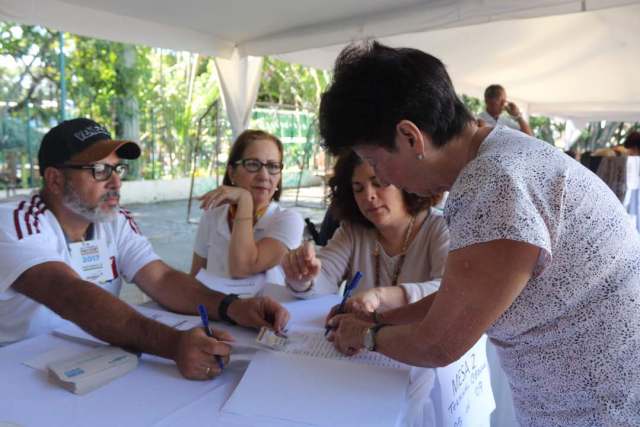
(543, 258)
(495, 99)
(67, 249)
(632, 143)
(243, 230)
(393, 237)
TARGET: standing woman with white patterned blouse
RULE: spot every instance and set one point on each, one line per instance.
(542, 256)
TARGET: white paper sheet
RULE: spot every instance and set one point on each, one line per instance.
(312, 343)
(319, 392)
(311, 311)
(279, 293)
(247, 287)
(177, 321)
(41, 361)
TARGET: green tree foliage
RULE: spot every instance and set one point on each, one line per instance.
(170, 102)
(28, 69)
(292, 85)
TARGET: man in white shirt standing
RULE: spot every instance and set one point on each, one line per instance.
(495, 99)
(65, 250)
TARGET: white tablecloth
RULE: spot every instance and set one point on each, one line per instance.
(155, 394)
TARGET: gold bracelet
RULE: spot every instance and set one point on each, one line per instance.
(243, 218)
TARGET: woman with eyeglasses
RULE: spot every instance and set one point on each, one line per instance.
(393, 237)
(243, 230)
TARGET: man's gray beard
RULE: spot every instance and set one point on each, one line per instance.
(72, 201)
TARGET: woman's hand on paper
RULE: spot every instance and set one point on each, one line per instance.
(361, 305)
(196, 353)
(348, 333)
(365, 302)
(301, 265)
(221, 195)
(258, 312)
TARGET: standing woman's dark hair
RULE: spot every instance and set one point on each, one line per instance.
(240, 145)
(375, 87)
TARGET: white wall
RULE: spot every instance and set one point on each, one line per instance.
(148, 191)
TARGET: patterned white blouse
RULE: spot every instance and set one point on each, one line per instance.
(570, 342)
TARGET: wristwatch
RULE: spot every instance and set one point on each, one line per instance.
(370, 336)
(224, 307)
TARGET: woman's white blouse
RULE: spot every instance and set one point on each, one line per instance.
(213, 237)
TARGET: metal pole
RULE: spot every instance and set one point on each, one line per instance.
(28, 140)
(153, 144)
(63, 80)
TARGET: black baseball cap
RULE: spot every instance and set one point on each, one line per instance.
(81, 141)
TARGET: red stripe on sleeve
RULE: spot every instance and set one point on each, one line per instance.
(28, 213)
(16, 219)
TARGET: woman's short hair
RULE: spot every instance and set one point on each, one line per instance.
(375, 87)
(632, 140)
(239, 147)
(343, 201)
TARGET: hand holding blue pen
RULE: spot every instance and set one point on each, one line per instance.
(204, 316)
(347, 293)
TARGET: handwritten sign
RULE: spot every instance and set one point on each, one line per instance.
(465, 389)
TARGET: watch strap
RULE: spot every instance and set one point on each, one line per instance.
(224, 307)
(374, 334)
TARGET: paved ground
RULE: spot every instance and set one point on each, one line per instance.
(165, 225)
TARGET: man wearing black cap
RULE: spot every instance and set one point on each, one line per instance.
(65, 250)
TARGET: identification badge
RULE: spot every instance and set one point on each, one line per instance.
(271, 339)
(91, 261)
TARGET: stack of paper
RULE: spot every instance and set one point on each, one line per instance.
(319, 392)
(89, 370)
(244, 288)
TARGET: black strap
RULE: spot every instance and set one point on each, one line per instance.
(224, 307)
(375, 330)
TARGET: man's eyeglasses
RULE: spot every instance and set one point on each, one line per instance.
(101, 171)
(254, 165)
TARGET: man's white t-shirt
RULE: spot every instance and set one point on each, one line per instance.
(214, 236)
(502, 120)
(31, 235)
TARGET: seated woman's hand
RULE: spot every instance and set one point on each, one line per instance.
(347, 333)
(301, 265)
(354, 306)
(365, 302)
(221, 195)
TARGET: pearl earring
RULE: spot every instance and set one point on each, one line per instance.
(420, 156)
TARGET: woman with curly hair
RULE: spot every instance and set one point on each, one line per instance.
(393, 237)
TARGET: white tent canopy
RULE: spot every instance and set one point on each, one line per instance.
(576, 59)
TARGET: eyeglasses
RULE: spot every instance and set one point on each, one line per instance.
(254, 165)
(101, 171)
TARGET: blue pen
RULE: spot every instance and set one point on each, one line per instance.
(205, 324)
(347, 293)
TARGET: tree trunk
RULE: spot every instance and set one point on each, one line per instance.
(127, 109)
